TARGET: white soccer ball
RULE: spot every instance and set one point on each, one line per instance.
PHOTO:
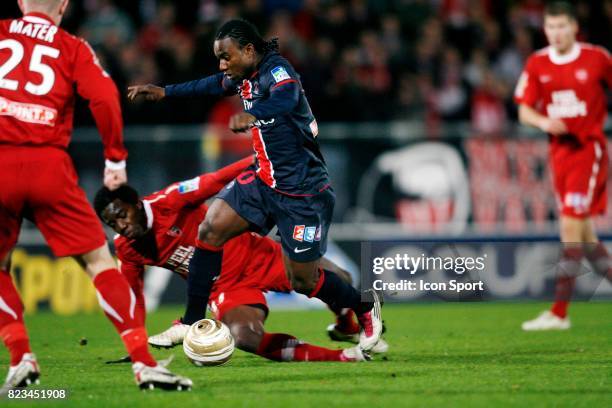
(208, 342)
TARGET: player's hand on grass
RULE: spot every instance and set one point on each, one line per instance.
(241, 122)
(113, 178)
(149, 91)
(555, 127)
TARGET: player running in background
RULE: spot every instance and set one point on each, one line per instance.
(561, 92)
(161, 230)
(41, 67)
(289, 187)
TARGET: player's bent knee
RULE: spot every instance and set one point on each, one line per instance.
(246, 338)
(97, 261)
(304, 277)
(208, 233)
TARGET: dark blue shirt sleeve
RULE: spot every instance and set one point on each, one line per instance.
(216, 84)
(284, 97)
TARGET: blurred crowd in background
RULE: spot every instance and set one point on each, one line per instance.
(359, 60)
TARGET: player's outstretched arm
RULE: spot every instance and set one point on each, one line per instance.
(530, 116)
(226, 174)
(149, 91)
(216, 85)
(196, 191)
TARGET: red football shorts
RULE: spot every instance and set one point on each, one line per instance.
(580, 176)
(246, 284)
(40, 184)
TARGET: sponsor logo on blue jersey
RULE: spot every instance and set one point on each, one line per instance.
(279, 74)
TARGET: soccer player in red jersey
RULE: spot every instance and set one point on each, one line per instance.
(161, 230)
(561, 91)
(41, 67)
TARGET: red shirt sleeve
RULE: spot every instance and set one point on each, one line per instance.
(95, 85)
(131, 268)
(527, 88)
(608, 68)
(196, 191)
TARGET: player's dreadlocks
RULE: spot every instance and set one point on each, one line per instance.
(104, 197)
(245, 33)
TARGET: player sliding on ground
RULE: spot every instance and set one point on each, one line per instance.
(42, 68)
(161, 230)
(289, 187)
(561, 92)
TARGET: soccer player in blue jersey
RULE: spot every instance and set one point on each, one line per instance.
(288, 186)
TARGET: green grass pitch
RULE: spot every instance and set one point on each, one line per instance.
(441, 355)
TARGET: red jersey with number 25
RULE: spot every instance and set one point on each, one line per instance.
(41, 65)
(569, 87)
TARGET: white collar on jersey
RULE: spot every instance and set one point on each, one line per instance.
(559, 59)
(148, 213)
(37, 20)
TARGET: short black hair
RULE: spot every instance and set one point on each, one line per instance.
(244, 33)
(104, 197)
(560, 8)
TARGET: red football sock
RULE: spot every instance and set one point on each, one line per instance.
(568, 269)
(559, 308)
(284, 347)
(119, 304)
(135, 341)
(12, 329)
(598, 257)
(308, 352)
(136, 282)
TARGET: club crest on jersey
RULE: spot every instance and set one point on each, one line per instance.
(298, 232)
(188, 186)
(582, 75)
(174, 231)
(545, 78)
(279, 74)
